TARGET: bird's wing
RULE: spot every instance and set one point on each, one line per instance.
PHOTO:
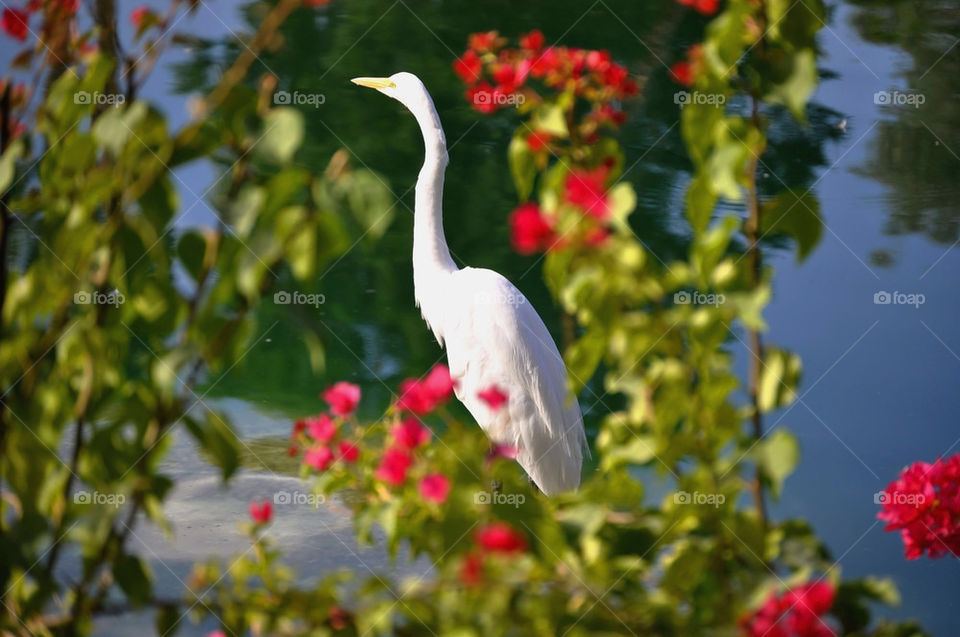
(494, 337)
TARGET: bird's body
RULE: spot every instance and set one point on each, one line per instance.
(493, 336)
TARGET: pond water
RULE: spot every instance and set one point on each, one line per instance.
(880, 386)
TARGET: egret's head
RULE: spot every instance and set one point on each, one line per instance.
(406, 88)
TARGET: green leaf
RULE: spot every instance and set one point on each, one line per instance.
(523, 166)
(283, 133)
(371, 202)
(549, 118)
(796, 214)
(584, 355)
(133, 578)
(623, 199)
(8, 164)
(777, 456)
(218, 440)
(779, 377)
(168, 620)
(191, 249)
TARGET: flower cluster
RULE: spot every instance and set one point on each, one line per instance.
(795, 613)
(320, 435)
(492, 539)
(493, 73)
(533, 230)
(924, 505)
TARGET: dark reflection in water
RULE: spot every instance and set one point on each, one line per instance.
(915, 149)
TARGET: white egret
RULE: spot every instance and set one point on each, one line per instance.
(493, 336)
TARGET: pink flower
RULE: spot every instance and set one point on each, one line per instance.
(438, 384)
(14, 23)
(343, 398)
(217, 633)
(393, 466)
(586, 189)
(319, 457)
(493, 396)
(435, 488)
(500, 537)
(468, 68)
(530, 232)
(502, 451)
(410, 434)
(796, 613)
(321, 428)
(137, 16)
(262, 512)
(924, 505)
(422, 396)
(348, 451)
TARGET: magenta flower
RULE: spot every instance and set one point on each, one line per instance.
(342, 397)
(435, 488)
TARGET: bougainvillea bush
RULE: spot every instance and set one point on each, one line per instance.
(706, 558)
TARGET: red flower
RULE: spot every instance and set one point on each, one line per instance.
(596, 236)
(471, 570)
(706, 7)
(530, 232)
(468, 67)
(924, 505)
(343, 398)
(532, 41)
(435, 488)
(538, 140)
(410, 434)
(14, 23)
(483, 98)
(422, 396)
(393, 466)
(299, 427)
(438, 384)
(609, 115)
(586, 190)
(338, 617)
(796, 613)
(319, 457)
(500, 537)
(502, 451)
(321, 428)
(493, 397)
(261, 513)
(682, 72)
(137, 16)
(293, 450)
(348, 451)
(483, 42)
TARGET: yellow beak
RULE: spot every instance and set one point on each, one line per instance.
(374, 82)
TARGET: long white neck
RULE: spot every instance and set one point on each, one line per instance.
(431, 256)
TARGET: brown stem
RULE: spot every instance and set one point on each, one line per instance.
(755, 265)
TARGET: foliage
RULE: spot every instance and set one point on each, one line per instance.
(109, 325)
